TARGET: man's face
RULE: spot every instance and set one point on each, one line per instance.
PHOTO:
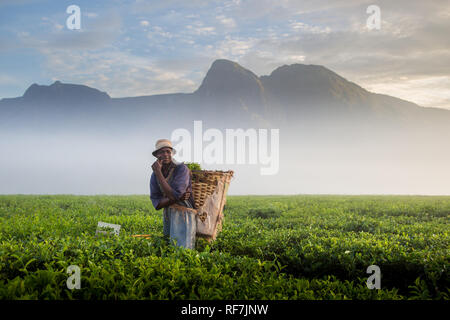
(165, 154)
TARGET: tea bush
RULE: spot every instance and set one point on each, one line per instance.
(271, 247)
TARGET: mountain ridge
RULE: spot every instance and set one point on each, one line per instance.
(288, 95)
(218, 66)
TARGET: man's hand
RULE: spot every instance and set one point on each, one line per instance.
(156, 166)
(165, 202)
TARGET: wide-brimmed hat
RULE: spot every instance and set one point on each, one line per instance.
(163, 143)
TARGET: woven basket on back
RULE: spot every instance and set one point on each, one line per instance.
(204, 182)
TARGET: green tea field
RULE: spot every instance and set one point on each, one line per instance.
(270, 247)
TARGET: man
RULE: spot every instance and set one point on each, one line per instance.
(170, 182)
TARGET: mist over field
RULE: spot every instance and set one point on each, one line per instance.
(334, 136)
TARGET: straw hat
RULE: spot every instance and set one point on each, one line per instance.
(163, 143)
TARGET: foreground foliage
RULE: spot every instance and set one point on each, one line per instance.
(271, 247)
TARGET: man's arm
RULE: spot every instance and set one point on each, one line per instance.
(180, 185)
(156, 195)
(165, 185)
(180, 182)
(165, 202)
(158, 199)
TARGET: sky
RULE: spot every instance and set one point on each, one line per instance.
(132, 48)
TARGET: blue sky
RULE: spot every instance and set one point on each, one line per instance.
(131, 48)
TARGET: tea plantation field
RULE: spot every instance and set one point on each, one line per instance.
(271, 247)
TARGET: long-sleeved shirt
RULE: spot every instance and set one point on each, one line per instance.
(180, 182)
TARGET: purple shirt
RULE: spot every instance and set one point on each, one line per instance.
(180, 182)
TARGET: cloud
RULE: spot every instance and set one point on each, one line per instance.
(226, 21)
(431, 91)
(118, 73)
(157, 31)
(200, 30)
(298, 26)
(232, 47)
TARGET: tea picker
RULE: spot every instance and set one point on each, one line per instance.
(193, 201)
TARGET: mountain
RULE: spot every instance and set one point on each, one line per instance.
(319, 94)
(294, 97)
(228, 82)
(291, 93)
(314, 91)
(64, 93)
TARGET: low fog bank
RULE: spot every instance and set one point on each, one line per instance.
(323, 160)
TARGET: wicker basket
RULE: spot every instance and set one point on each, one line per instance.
(204, 183)
(209, 189)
